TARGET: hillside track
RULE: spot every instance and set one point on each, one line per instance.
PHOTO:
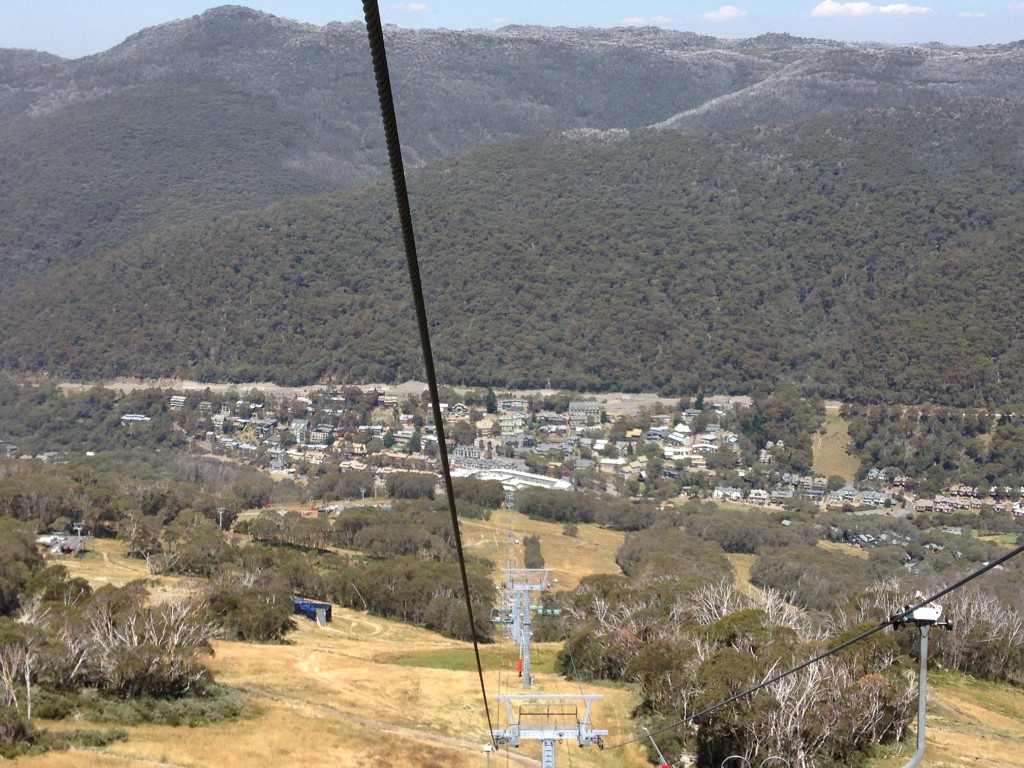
(389, 728)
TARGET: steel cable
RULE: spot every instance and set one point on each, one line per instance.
(387, 110)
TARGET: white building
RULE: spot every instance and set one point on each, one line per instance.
(513, 481)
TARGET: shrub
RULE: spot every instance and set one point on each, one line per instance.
(532, 557)
(17, 737)
(89, 737)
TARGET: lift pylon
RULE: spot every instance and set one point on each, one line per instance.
(924, 617)
(519, 585)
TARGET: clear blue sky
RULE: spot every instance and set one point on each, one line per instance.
(75, 28)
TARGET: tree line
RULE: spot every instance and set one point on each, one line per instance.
(936, 447)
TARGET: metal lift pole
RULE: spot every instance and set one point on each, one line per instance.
(519, 586)
(661, 757)
(527, 638)
(922, 698)
(924, 618)
(517, 623)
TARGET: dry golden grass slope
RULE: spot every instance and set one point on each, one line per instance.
(830, 456)
(368, 692)
(970, 723)
(364, 691)
(348, 695)
(569, 558)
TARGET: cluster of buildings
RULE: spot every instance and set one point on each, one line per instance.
(811, 488)
(522, 447)
(966, 498)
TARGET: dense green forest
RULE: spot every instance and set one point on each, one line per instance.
(869, 256)
(84, 183)
(937, 447)
(233, 109)
(42, 418)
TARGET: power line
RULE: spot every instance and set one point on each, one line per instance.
(387, 110)
(897, 618)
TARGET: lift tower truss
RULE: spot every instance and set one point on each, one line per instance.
(519, 586)
(547, 719)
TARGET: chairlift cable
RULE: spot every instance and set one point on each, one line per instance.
(957, 585)
(387, 108)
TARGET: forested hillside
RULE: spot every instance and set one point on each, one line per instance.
(856, 233)
(148, 157)
(868, 256)
(234, 109)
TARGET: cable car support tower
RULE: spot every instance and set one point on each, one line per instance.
(518, 587)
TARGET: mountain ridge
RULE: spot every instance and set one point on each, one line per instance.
(662, 67)
(313, 87)
(778, 183)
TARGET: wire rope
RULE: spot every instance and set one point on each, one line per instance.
(387, 109)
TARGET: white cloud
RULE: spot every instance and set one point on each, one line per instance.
(972, 15)
(830, 8)
(409, 7)
(659, 20)
(725, 13)
(1016, 6)
(902, 9)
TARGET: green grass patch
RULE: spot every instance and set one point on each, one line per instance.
(456, 659)
(994, 697)
(999, 538)
(542, 658)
